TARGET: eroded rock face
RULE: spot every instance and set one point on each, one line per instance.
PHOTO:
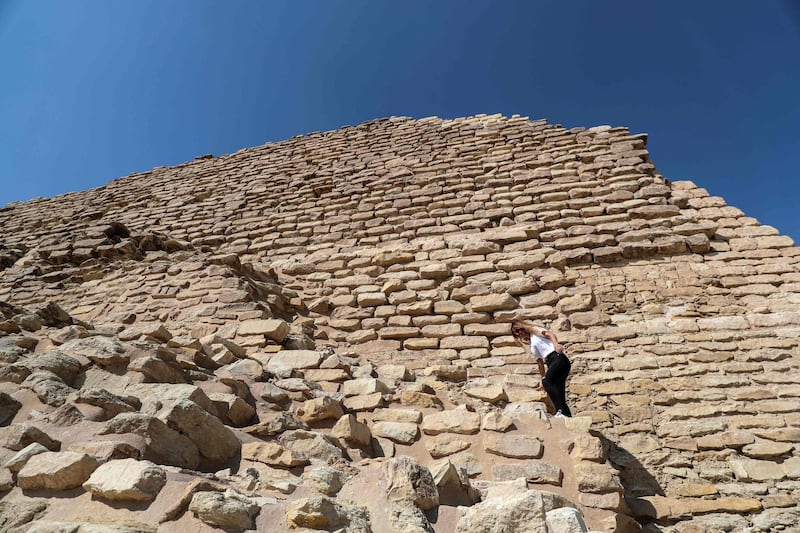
(163, 445)
(56, 471)
(321, 512)
(126, 480)
(216, 443)
(515, 514)
(224, 510)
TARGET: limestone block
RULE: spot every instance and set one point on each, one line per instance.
(321, 512)
(225, 510)
(514, 446)
(400, 432)
(215, 442)
(533, 471)
(596, 478)
(56, 471)
(18, 436)
(273, 454)
(274, 328)
(318, 409)
(371, 299)
(492, 302)
(285, 361)
(126, 480)
(409, 481)
(523, 511)
(364, 402)
(488, 393)
(464, 342)
(453, 421)
(565, 520)
(349, 429)
(363, 386)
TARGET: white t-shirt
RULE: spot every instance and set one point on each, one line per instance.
(541, 347)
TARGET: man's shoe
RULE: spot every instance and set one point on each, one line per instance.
(559, 414)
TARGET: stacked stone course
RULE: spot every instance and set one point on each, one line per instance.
(407, 247)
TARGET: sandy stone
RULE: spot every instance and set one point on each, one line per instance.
(271, 453)
(566, 520)
(224, 510)
(534, 471)
(349, 429)
(319, 409)
(126, 480)
(322, 512)
(516, 446)
(400, 432)
(56, 471)
(444, 445)
(596, 478)
(452, 421)
(519, 512)
(407, 480)
(487, 393)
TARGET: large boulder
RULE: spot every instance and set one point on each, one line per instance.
(163, 445)
(458, 420)
(514, 513)
(48, 387)
(410, 481)
(103, 351)
(215, 441)
(56, 471)
(63, 366)
(126, 480)
(312, 445)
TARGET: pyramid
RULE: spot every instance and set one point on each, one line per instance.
(265, 336)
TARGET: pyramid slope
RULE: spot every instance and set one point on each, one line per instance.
(416, 242)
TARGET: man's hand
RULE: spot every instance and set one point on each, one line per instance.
(559, 348)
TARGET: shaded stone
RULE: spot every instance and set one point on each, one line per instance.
(407, 480)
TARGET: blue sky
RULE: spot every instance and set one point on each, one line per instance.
(94, 90)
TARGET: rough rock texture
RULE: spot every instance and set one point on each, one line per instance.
(126, 479)
(271, 324)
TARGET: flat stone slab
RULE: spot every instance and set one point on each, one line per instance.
(533, 471)
(516, 446)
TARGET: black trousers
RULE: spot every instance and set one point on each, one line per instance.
(555, 380)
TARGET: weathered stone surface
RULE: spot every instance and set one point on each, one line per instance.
(273, 454)
(102, 350)
(321, 512)
(18, 436)
(566, 520)
(126, 480)
(319, 409)
(515, 513)
(452, 421)
(407, 480)
(349, 429)
(401, 432)
(216, 443)
(225, 510)
(19, 459)
(534, 471)
(516, 446)
(56, 471)
(163, 445)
